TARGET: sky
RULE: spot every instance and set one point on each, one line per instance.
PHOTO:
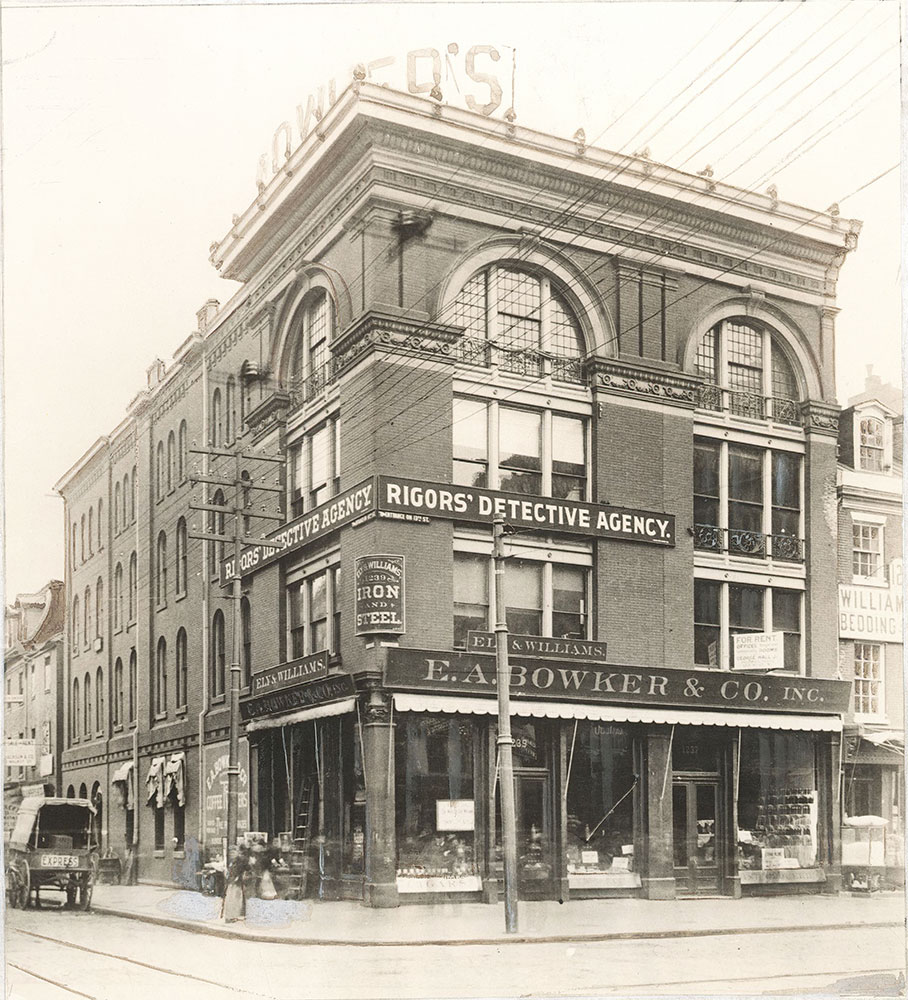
(131, 135)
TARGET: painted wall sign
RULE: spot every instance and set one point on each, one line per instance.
(534, 645)
(872, 614)
(320, 692)
(575, 517)
(216, 758)
(289, 674)
(324, 519)
(19, 753)
(379, 594)
(759, 651)
(451, 73)
(471, 673)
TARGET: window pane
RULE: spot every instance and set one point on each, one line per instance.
(745, 608)
(706, 623)
(706, 357)
(745, 474)
(786, 611)
(568, 458)
(471, 596)
(518, 293)
(319, 598)
(706, 468)
(520, 450)
(786, 480)
(569, 602)
(471, 436)
(523, 597)
(470, 307)
(566, 337)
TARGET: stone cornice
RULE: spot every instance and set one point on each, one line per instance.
(820, 418)
(376, 330)
(622, 378)
(270, 413)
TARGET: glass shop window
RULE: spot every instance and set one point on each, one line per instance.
(354, 800)
(777, 801)
(600, 808)
(434, 796)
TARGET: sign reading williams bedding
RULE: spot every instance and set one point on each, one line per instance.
(468, 673)
(379, 594)
(575, 517)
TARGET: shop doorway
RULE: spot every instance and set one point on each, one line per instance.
(535, 866)
(697, 836)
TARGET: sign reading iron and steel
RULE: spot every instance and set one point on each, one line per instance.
(470, 673)
(320, 692)
(379, 594)
(588, 650)
(321, 521)
(574, 517)
(289, 674)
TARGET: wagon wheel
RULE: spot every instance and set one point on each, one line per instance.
(86, 884)
(71, 890)
(19, 885)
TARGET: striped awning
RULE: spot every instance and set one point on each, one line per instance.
(449, 704)
(303, 715)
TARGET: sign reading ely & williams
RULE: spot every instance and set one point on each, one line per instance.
(470, 673)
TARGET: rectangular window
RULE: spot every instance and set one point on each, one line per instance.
(707, 456)
(707, 623)
(159, 828)
(297, 598)
(867, 548)
(471, 596)
(786, 505)
(872, 444)
(318, 612)
(745, 613)
(314, 468)
(179, 827)
(523, 596)
(314, 614)
(569, 602)
(568, 458)
(745, 500)
(868, 678)
(47, 674)
(786, 618)
(520, 450)
(471, 443)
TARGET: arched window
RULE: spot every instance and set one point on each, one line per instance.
(125, 501)
(82, 538)
(117, 609)
(75, 715)
(247, 500)
(133, 685)
(161, 570)
(161, 473)
(86, 618)
(747, 372)
(246, 622)
(132, 497)
(216, 523)
(75, 626)
(118, 693)
(75, 532)
(183, 452)
(171, 461)
(246, 380)
(118, 499)
(133, 587)
(160, 678)
(100, 721)
(181, 669)
(526, 316)
(218, 656)
(181, 567)
(216, 418)
(83, 791)
(86, 705)
(100, 524)
(230, 410)
(314, 330)
(70, 792)
(99, 608)
(91, 531)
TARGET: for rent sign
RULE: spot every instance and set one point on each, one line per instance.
(466, 673)
(575, 517)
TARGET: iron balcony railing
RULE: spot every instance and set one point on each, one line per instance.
(524, 361)
(748, 404)
(302, 388)
(755, 544)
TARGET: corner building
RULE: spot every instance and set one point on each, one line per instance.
(444, 318)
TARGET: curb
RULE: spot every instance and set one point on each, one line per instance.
(251, 935)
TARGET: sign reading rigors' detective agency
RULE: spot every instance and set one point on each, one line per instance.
(379, 597)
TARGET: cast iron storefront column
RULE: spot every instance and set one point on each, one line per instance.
(829, 847)
(659, 875)
(378, 765)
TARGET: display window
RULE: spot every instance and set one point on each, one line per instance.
(435, 804)
(600, 808)
(777, 801)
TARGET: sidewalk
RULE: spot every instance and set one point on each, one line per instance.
(350, 923)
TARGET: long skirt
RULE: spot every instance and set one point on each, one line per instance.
(233, 902)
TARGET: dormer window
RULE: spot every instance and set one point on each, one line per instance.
(872, 444)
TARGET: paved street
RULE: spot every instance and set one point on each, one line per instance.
(55, 954)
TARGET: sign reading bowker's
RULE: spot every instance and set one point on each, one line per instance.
(470, 673)
(289, 674)
(411, 500)
(379, 594)
(575, 517)
(331, 688)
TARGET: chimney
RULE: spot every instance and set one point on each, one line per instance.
(207, 313)
(155, 372)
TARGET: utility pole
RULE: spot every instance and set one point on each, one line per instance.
(239, 511)
(505, 741)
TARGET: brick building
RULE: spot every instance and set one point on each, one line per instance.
(33, 683)
(870, 624)
(444, 317)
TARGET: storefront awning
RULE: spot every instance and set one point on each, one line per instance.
(154, 782)
(123, 779)
(448, 704)
(175, 778)
(304, 715)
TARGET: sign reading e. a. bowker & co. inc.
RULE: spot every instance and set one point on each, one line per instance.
(289, 674)
(575, 517)
(471, 673)
(325, 518)
(379, 594)
(331, 688)
(588, 650)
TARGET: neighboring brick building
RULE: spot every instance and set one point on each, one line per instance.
(870, 624)
(443, 316)
(33, 684)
